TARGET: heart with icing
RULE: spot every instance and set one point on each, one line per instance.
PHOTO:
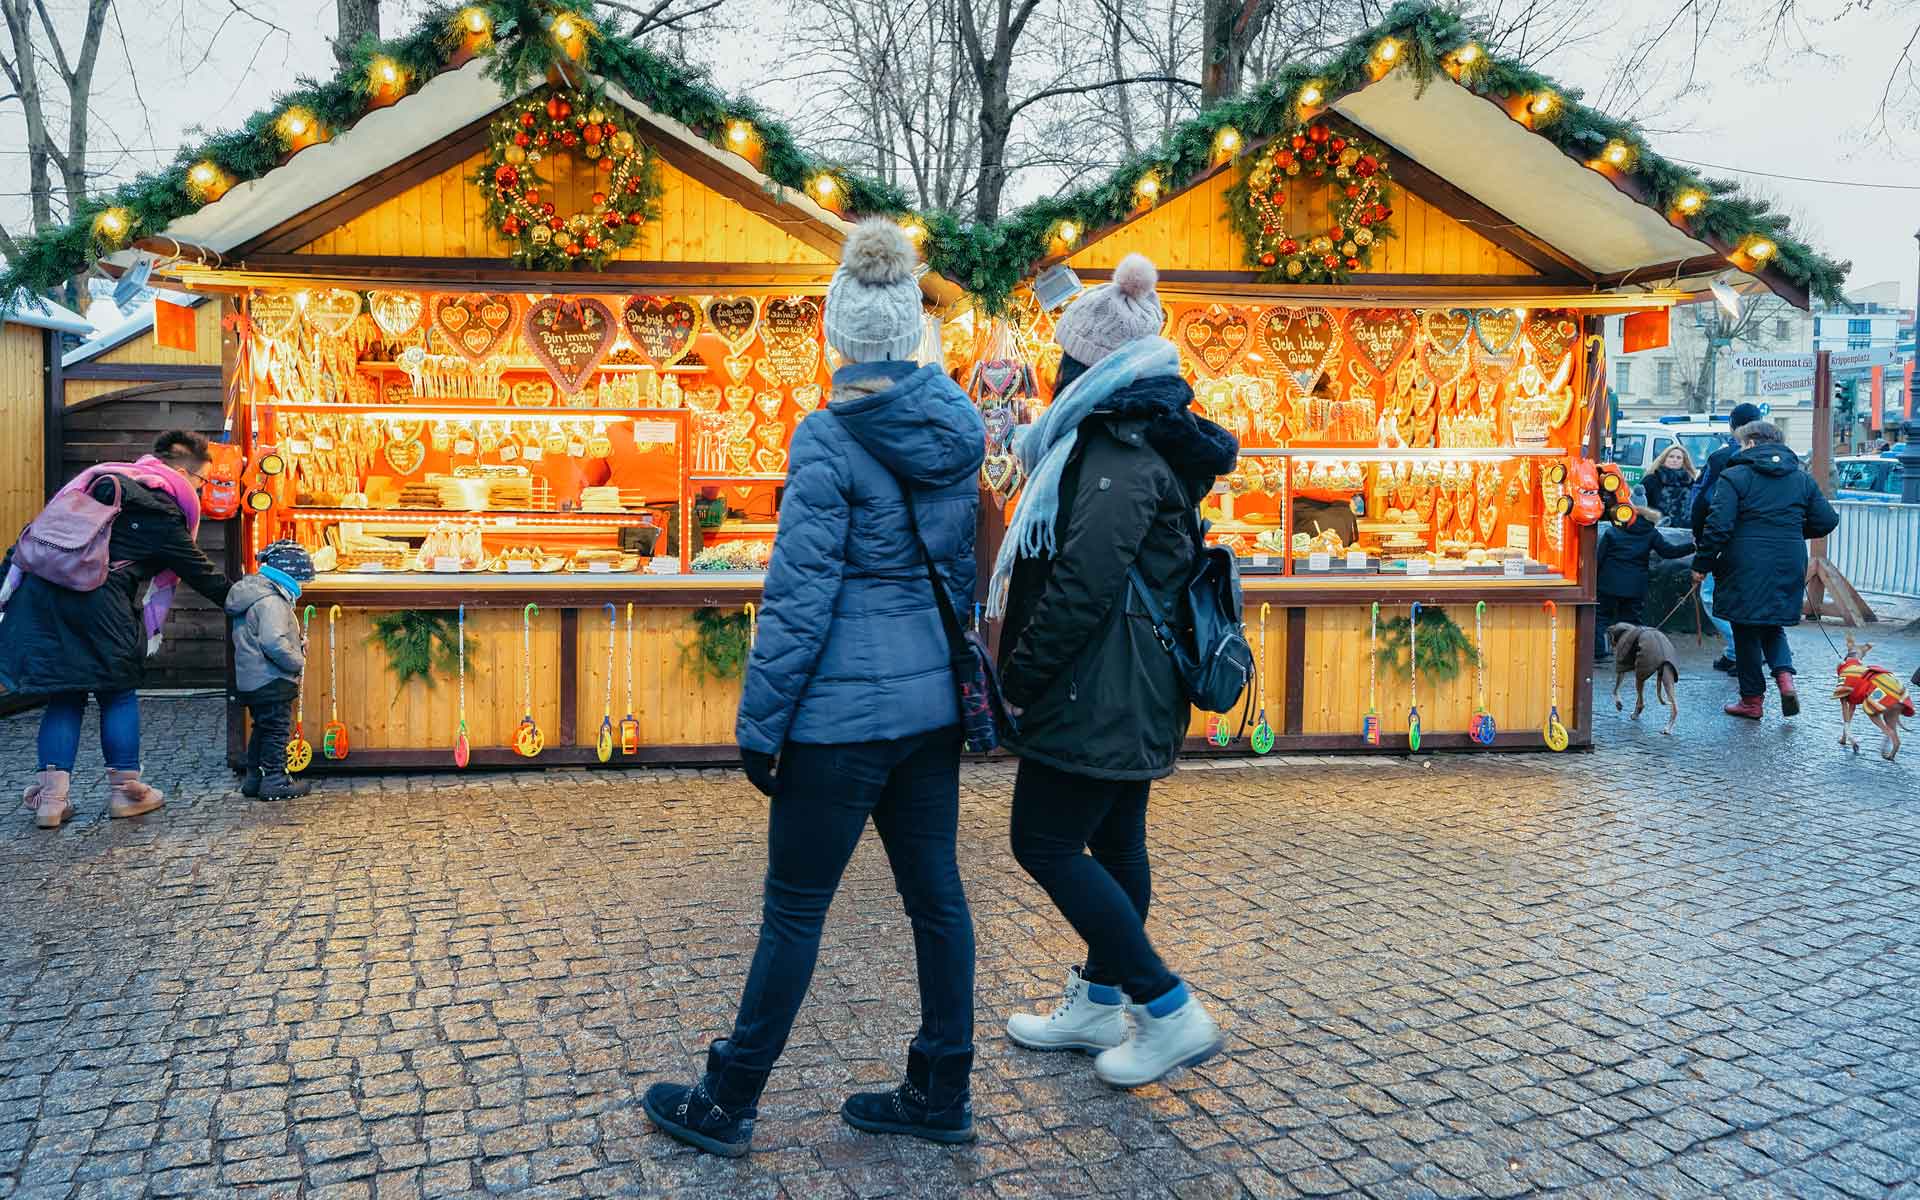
(738, 366)
(807, 397)
(396, 313)
(405, 457)
(999, 421)
(790, 333)
(740, 454)
(739, 399)
(474, 322)
(570, 336)
(702, 399)
(1497, 330)
(769, 404)
(662, 328)
(1303, 341)
(1382, 335)
(1215, 336)
(1553, 332)
(1001, 472)
(332, 311)
(733, 318)
(771, 434)
(531, 393)
(273, 314)
(770, 461)
(1447, 328)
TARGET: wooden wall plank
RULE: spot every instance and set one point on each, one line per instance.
(22, 425)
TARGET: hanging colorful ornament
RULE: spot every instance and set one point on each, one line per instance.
(462, 750)
(1413, 675)
(333, 740)
(1481, 728)
(299, 749)
(1553, 732)
(1370, 722)
(603, 745)
(528, 741)
(630, 725)
(1262, 732)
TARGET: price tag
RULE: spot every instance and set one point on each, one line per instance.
(299, 446)
(322, 442)
(1514, 568)
(446, 564)
(535, 454)
(509, 451)
(1517, 537)
(1419, 566)
(1356, 560)
(1259, 560)
(373, 568)
(653, 433)
(519, 566)
(463, 446)
(1319, 560)
(599, 568)
(576, 448)
(506, 522)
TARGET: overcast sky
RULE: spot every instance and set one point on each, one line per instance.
(1799, 114)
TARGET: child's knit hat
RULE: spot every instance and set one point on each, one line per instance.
(287, 564)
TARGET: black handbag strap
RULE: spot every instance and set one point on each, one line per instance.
(958, 651)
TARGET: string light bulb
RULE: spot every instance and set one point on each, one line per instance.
(825, 187)
(1067, 232)
(915, 231)
(111, 224)
(1760, 249)
(299, 128)
(1227, 141)
(386, 71)
(1468, 54)
(564, 28)
(476, 21)
(1388, 51)
(1691, 201)
(1616, 153)
(1542, 104)
(1310, 95)
(739, 133)
(1148, 188)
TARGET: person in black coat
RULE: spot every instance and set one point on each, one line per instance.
(1699, 500)
(62, 644)
(1621, 564)
(1670, 483)
(1764, 511)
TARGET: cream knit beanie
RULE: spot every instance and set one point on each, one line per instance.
(1106, 318)
(873, 303)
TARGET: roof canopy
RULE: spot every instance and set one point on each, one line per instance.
(28, 309)
(1584, 188)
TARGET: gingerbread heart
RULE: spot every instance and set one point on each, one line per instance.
(396, 313)
(663, 329)
(1303, 342)
(769, 404)
(738, 366)
(1001, 473)
(740, 454)
(733, 318)
(1553, 332)
(273, 314)
(531, 393)
(770, 461)
(569, 337)
(332, 311)
(702, 399)
(806, 397)
(1214, 336)
(1382, 335)
(474, 322)
(739, 399)
(999, 421)
(771, 434)
(405, 457)
(1497, 330)
(1447, 328)
(790, 333)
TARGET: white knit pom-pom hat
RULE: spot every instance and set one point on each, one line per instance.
(873, 303)
(1107, 317)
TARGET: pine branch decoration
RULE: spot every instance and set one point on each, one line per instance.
(1444, 648)
(418, 644)
(721, 644)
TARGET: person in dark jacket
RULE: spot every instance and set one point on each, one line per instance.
(1699, 500)
(1116, 468)
(269, 657)
(1765, 509)
(1669, 486)
(850, 710)
(1621, 564)
(62, 644)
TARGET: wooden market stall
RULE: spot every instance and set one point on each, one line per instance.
(515, 325)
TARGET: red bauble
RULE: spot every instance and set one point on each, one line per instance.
(532, 196)
(1266, 260)
(505, 175)
(1317, 133)
(636, 218)
(1338, 144)
(573, 250)
(1290, 246)
(526, 120)
(599, 199)
(605, 164)
(633, 185)
(1353, 191)
(510, 226)
(557, 225)
(546, 210)
(569, 138)
(592, 134)
(553, 107)
(607, 130)
(1308, 154)
(1338, 234)
(1298, 141)
(1353, 264)
(591, 241)
(540, 139)
(521, 139)
(611, 220)
(1283, 159)
(1369, 163)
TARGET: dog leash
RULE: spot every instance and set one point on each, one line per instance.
(1688, 595)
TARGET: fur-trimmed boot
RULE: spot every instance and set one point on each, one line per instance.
(48, 799)
(129, 797)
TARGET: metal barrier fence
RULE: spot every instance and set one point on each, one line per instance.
(1877, 547)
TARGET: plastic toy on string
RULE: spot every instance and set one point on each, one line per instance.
(1262, 739)
(528, 741)
(603, 745)
(299, 749)
(333, 741)
(1413, 676)
(1553, 732)
(462, 747)
(1481, 727)
(1370, 722)
(630, 724)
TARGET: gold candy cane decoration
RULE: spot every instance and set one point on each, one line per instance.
(333, 742)
(299, 749)
(528, 741)
(603, 745)
(629, 725)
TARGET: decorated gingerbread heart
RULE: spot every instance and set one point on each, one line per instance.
(733, 318)
(569, 336)
(273, 314)
(1303, 341)
(475, 323)
(1214, 336)
(790, 334)
(1497, 330)
(1382, 335)
(1552, 332)
(396, 313)
(662, 328)
(332, 311)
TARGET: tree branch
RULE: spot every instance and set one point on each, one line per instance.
(1079, 89)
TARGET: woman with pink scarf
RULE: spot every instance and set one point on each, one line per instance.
(63, 644)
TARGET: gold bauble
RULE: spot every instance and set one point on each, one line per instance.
(623, 142)
(1349, 249)
(1349, 156)
(516, 155)
(1364, 237)
(1293, 266)
(596, 115)
(542, 235)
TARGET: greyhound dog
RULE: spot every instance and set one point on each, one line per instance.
(1647, 654)
(1874, 689)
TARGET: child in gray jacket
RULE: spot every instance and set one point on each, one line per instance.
(269, 656)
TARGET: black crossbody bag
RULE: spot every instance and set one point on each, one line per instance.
(983, 714)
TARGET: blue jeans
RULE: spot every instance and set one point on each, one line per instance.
(824, 796)
(119, 730)
(1058, 817)
(1725, 627)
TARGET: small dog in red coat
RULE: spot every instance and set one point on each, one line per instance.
(1874, 689)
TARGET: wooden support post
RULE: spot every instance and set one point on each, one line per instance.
(1829, 594)
(53, 420)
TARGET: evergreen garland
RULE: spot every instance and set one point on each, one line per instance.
(1444, 648)
(722, 640)
(420, 643)
(989, 261)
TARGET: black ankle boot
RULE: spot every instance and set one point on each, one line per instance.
(689, 1114)
(934, 1103)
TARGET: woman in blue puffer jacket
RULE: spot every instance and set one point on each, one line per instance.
(850, 709)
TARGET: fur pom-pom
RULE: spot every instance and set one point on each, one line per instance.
(1135, 276)
(878, 252)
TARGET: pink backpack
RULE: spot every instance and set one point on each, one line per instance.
(67, 543)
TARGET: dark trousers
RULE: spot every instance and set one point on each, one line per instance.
(1058, 818)
(1754, 645)
(910, 788)
(1610, 610)
(271, 710)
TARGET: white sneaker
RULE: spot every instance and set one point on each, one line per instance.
(1184, 1037)
(1078, 1023)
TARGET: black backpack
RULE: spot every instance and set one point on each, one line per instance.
(1213, 659)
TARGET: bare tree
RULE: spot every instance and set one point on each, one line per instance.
(1706, 331)
(657, 17)
(1229, 29)
(33, 43)
(357, 20)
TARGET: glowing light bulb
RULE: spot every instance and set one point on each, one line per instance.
(1541, 104)
(111, 222)
(476, 21)
(296, 124)
(203, 175)
(1310, 95)
(1468, 54)
(564, 28)
(1690, 202)
(1387, 51)
(824, 186)
(1616, 153)
(914, 230)
(1760, 249)
(739, 133)
(1148, 187)
(1069, 232)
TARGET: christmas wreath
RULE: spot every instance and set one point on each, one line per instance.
(1355, 169)
(600, 139)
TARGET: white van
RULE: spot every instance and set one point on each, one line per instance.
(1638, 445)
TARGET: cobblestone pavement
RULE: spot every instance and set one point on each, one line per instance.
(1675, 967)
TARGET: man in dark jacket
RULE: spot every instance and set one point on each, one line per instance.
(1764, 511)
(1743, 414)
(1115, 468)
(1621, 564)
(63, 644)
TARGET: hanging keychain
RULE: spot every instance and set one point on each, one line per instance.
(333, 742)
(1413, 675)
(528, 741)
(1554, 732)
(603, 746)
(629, 725)
(299, 749)
(462, 751)
(1262, 732)
(1370, 723)
(1481, 729)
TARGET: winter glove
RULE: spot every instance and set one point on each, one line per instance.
(759, 767)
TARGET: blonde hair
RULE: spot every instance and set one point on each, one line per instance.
(1686, 460)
